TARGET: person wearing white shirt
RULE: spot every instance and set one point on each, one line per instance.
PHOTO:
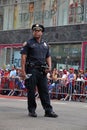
(13, 72)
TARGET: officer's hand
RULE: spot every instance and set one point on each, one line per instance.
(23, 74)
(47, 70)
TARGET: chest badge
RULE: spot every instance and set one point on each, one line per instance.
(45, 44)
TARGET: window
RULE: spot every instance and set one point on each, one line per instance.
(10, 55)
(8, 17)
(66, 55)
(63, 12)
(76, 11)
(1, 18)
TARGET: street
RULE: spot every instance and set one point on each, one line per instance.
(14, 115)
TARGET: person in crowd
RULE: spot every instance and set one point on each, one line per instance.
(6, 73)
(64, 80)
(55, 81)
(19, 80)
(55, 75)
(36, 60)
(70, 83)
(0, 76)
(85, 79)
(71, 76)
(85, 74)
(13, 72)
(64, 76)
(49, 77)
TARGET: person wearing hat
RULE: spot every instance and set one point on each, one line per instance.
(71, 77)
(36, 60)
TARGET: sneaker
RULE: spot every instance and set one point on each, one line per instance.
(51, 114)
(33, 114)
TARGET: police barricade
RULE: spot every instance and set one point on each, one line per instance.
(12, 86)
(57, 89)
(80, 90)
(76, 90)
(19, 87)
(4, 87)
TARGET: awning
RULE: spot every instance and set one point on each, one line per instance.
(14, 45)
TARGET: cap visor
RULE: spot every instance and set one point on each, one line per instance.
(37, 28)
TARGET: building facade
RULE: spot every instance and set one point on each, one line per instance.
(65, 24)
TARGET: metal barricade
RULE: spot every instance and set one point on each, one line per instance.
(72, 91)
(58, 90)
(11, 87)
(4, 88)
(80, 90)
(18, 89)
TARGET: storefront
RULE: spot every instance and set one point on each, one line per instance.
(63, 55)
(10, 54)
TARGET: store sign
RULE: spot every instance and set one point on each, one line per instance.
(37, 15)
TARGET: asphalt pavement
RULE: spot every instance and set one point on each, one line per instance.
(14, 115)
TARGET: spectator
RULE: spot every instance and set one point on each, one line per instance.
(13, 72)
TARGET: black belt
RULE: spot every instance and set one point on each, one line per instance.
(35, 66)
(40, 68)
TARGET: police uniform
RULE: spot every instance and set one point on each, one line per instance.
(36, 57)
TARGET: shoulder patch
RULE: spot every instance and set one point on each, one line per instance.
(25, 43)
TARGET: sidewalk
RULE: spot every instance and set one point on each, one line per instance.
(12, 97)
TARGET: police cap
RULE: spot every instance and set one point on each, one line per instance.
(38, 27)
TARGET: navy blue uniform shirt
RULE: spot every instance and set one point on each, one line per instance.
(36, 52)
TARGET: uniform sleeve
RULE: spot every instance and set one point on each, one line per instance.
(48, 52)
(24, 49)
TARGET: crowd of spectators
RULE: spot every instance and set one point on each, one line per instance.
(56, 78)
(10, 78)
(67, 81)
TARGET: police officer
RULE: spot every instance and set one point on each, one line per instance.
(34, 57)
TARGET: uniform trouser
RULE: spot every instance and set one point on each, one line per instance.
(39, 80)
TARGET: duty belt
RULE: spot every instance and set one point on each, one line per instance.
(40, 67)
(37, 65)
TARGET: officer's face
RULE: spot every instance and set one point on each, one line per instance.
(37, 33)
